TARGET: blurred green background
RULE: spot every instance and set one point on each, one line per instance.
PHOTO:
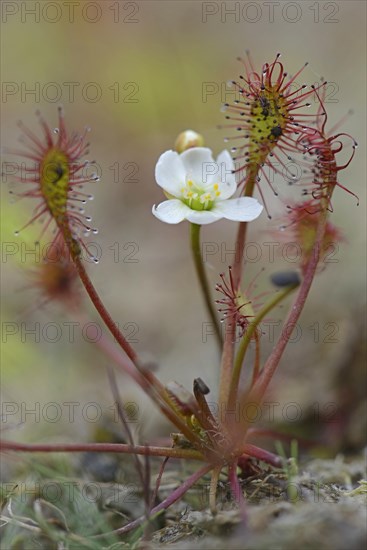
(141, 73)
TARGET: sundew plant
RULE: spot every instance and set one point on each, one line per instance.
(272, 123)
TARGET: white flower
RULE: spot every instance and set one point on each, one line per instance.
(199, 188)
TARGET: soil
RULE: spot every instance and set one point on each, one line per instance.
(317, 504)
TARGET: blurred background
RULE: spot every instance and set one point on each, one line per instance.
(139, 73)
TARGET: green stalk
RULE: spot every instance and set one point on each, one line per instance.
(200, 271)
(247, 338)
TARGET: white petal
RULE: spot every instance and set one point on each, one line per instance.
(227, 179)
(242, 209)
(203, 217)
(199, 164)
(172, 211)
(170, 173)
(227, 164)
(226, 189)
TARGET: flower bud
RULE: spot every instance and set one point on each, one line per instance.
(286, 278)
(187, 140)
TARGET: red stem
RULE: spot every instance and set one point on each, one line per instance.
(242, 228)
(273, 434)
(230, 335)
(100, 448)
(153, 387)
(166, 503)
(117, 356)
(117, 334)
(237, 490)
(227, 361)
(272, 363)
(262, 454)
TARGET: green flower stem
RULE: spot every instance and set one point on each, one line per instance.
(200, 270)
(279, 297)
(256, 369)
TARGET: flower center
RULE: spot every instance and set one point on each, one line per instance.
(198, 198)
